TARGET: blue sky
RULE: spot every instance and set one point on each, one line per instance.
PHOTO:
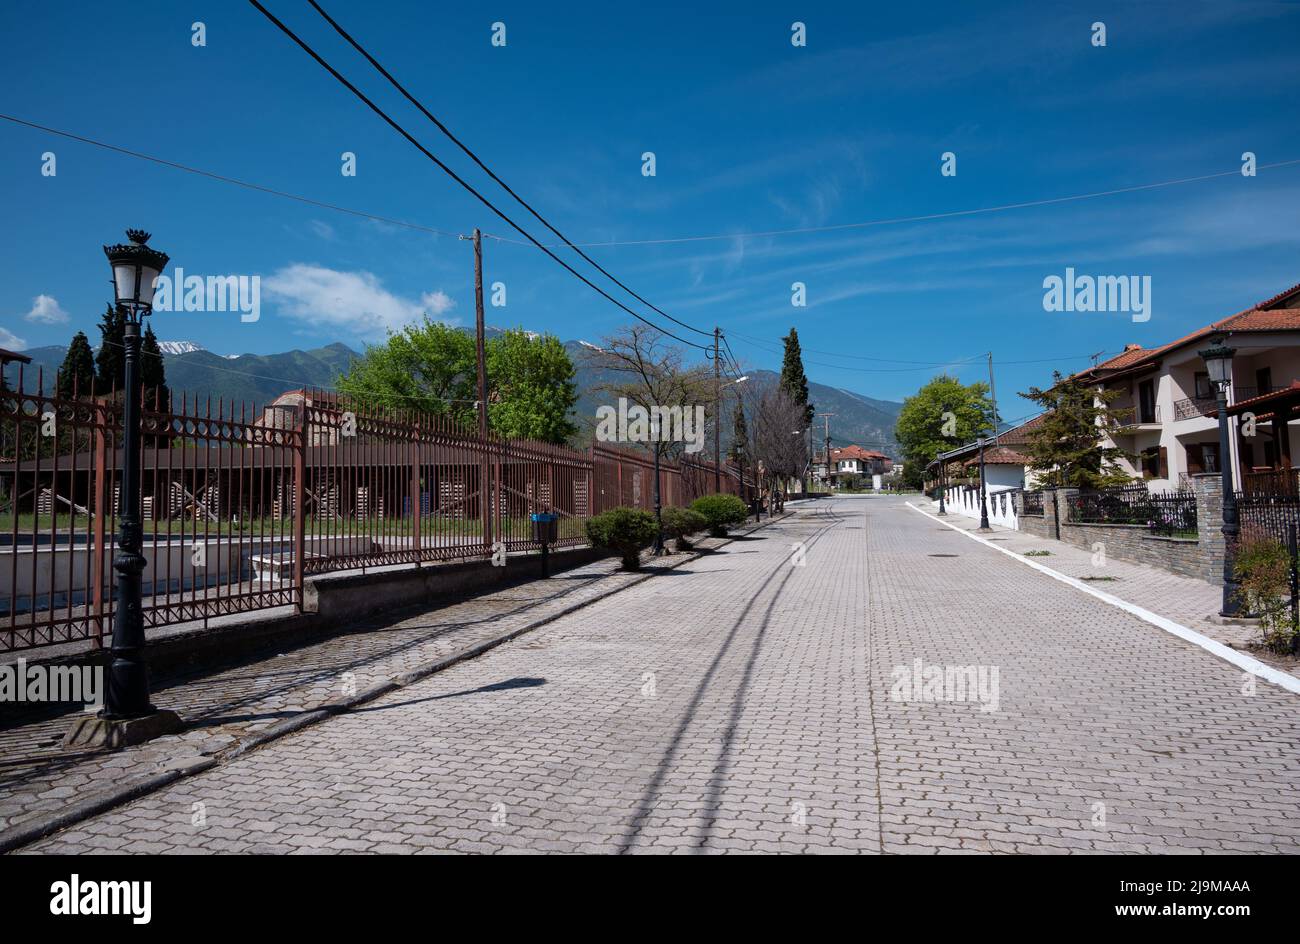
(750, 134)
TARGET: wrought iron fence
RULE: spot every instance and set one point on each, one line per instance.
(239, 506)
(1271, 515)
(1167, 513)
(1031, 503)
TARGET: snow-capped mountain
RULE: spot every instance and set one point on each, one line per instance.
(179, 347)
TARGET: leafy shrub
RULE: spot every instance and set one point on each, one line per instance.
(1263, 567)
(623, 531)
(681, 523)
(720, 512)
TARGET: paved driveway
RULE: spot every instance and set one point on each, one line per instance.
(745, 703)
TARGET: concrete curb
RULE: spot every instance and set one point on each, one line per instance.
(29, 831)
(1283, 680)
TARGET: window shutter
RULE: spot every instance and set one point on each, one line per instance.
(1164, 463)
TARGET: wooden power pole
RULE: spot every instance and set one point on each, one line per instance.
(717, 413)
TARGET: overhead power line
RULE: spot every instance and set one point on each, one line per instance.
(925, 217)
(454, 176)
(487, 170)
(223, 178)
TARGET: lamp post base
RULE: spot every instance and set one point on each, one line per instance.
(94, 731)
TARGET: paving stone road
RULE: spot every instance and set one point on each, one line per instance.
(745, 704)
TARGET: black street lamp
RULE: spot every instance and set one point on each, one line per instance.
(1218, 363)
(135, 267)
(984, 508)
(943, 485)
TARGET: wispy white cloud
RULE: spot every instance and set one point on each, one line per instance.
(11, 341)
(355, 301)
(46, 310)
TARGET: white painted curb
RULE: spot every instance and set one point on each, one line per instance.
(1227, 653)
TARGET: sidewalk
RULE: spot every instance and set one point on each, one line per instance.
(226, 707)
(1186, 600)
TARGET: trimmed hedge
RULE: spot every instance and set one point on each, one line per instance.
(720, 512)
(623, 531)
(681, 523)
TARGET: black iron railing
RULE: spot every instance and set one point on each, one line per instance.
(1167, 513)
(1031, 503)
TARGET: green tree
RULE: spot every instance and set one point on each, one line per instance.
(531, 392)
(77, 373)
(427, 366)
(110, 371)
(793, 380)
(1066, 447)
(943, 414)
(153, 373)
(432, 367)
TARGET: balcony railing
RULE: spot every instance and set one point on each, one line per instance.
(1200, 406)
(1193, 407)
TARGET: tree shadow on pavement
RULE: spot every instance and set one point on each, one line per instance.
(645, 807)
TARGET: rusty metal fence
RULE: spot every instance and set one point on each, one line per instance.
(241, 505)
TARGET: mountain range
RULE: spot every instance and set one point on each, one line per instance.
(257, 378)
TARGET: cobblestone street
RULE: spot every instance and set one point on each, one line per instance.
(760, 699)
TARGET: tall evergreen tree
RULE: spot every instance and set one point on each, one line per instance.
(109, 363)
(77, 373)
(153, 376)
(1066, 447)
(793, 380)
(739, 434)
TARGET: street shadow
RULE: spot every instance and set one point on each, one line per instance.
(644, 809)
(507, 685)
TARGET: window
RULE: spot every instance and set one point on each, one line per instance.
(1147, 401)
(1263, 380)
(1151, 463)
(1202, 382)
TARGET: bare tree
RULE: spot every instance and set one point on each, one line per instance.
(776, 433)
(645, 371)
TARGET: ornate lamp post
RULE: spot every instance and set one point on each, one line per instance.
(1218, 363)
(135, 267)
(984, 508)
(943, 485)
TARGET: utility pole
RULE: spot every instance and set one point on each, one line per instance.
(717, 412)
(480, 357)
(993, 396)
(827, 419)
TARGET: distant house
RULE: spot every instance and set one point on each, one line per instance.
(849, 461)
(285, 412)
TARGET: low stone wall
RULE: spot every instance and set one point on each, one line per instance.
(1200, 557)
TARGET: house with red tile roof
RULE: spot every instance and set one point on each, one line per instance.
(850, 460)
(1170, 424)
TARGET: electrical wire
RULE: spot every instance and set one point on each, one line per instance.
(926, 217)
(453, 175)
(224, 179)
(475, 158)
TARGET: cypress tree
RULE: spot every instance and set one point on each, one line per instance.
(77, 373)
(793, 380)
(153, 376)
(739, 434)
(109, 363)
